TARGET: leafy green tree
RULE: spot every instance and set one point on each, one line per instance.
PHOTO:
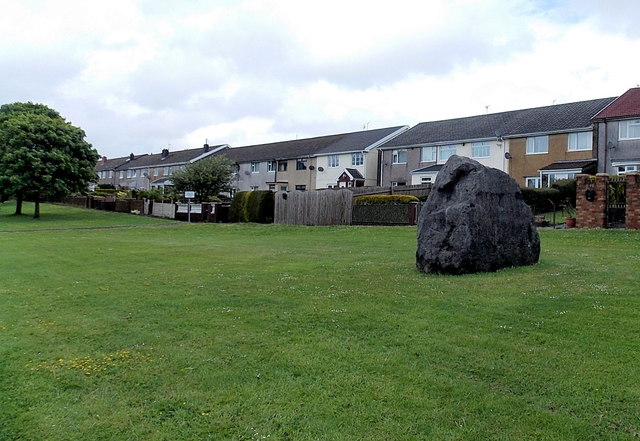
(42, 155)
(207, 177)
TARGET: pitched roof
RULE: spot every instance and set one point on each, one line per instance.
(548, 119)
(571, 165)
(110, 164)
(430, 169)
(353, 173)
(298, 148)
(627, 104)
(173, 157)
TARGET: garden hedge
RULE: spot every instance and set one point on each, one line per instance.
(384, 199)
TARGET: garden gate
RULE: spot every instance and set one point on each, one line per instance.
(616, 202)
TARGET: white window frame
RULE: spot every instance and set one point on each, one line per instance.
(301, 164)
(429, 154)
(271, 166)
(166, 171)
(254, 188)
(535, 180)
(447, 151)
(255, 167)
(580, 141)
(538, 145)
(623, 169)
(399, 156)
(333, 161)
(426, 179)
(624, 129)
(357, 158)
(121, 174)
(481, 149)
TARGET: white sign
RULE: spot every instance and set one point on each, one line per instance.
(189, 194)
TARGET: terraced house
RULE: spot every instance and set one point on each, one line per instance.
(341, 160)
(535, 146)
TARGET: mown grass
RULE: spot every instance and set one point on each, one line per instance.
(251, 332)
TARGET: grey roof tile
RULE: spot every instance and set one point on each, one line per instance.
(548, 119)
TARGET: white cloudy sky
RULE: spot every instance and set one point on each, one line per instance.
(141, 75)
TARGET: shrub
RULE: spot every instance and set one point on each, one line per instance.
(153, 194)
(383, 199)
(541, 200)
(567, 189)
(238, 209)
(260, 206)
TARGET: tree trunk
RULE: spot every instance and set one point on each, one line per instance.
(36, 210)
(18, 205)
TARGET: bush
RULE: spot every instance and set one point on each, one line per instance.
(541, 200)
(238, 209)
(260, 206)
(383, 199)
(567, 189)
(252, 206)
(153, 194)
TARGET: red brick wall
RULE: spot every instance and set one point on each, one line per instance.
(591, 214)
(633, 202)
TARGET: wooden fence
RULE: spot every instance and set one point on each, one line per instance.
(313, 207)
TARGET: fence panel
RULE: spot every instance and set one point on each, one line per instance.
(161, 209)
(313, 207)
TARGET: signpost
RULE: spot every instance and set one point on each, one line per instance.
(189, 195)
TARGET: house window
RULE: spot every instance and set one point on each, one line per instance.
(533, 182)
(398, 183)
(301, 164)
(400, 156)
(481, 149)
(357, 158)
(167, 171)
(630, 129)
(623, 169)
(121, 174)
(447, 151)
(548, 179)
(333, 161)
(129, 173)
(254, 188)
(425, 180)
(255, 167)
(282, 167)
(283, 188)
(156, 171)
(271, 166)
(272, 187)
(428, 154)
(301, 187)
(111, 173)
(537, 145)
(580, 141)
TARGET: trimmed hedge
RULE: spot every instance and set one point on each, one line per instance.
(260, 206)
(252, 206)
(384, 199)
(238, 208)
(562, 193)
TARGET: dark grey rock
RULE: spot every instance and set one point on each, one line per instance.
(475, 221)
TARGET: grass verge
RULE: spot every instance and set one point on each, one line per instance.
(249, 332)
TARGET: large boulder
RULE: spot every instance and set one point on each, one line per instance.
(475, 221)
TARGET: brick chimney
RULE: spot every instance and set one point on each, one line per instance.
(165, 153)
(104, 159)
(206, 147)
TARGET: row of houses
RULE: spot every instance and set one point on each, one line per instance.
(535, 146)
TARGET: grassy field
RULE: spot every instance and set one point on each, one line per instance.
(256, 332)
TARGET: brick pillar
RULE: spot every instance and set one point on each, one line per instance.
(632, 219)
(591, 214)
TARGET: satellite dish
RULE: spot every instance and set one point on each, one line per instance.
(320, 169)
(311, 167)
(507, 155)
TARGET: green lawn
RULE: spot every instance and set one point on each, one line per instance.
(256, 332)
